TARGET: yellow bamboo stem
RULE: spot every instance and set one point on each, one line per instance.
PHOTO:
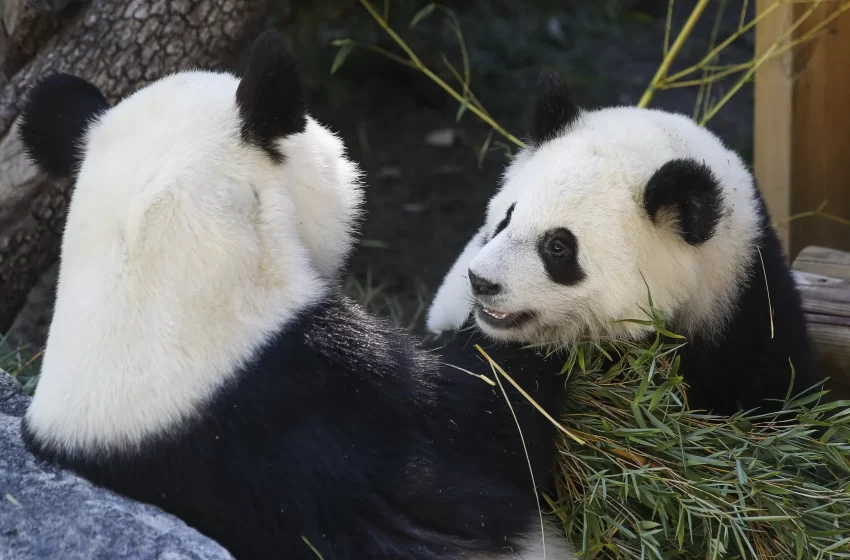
(673, 52)
(776, 50)
(719, 48)
(528, 397)
(436, 79)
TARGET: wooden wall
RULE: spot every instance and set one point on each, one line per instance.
(802, 124)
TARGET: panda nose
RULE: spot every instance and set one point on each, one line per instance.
(482, 287)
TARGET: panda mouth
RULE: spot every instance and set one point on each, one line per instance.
(502, 319)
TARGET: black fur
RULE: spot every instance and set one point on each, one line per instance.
(344, 432)
(690, 190)
(54, 120)
(554, 109)
(744, 367)
(505, 221)
(561, 268)
(269, 97)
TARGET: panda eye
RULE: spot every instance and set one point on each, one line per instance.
(557, 247)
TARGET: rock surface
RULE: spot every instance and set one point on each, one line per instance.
(48, 513)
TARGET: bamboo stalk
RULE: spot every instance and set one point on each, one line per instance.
(673, 52)
(436, 79)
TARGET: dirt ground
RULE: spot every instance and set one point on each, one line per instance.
(424, 201)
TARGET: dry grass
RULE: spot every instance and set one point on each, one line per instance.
(22, 362)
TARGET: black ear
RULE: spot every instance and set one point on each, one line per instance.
(54, 121)
(554, 109)
(691, 193)
(269, 96)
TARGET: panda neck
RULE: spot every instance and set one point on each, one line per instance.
(120, 367)
(749, 357)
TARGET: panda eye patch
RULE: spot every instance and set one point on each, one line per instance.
(558, 249)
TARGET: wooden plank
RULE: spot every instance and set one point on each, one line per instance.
(832, 346)
(821, 260)
(772, 126)
(826, 303)
(823, 295)
(820, 141)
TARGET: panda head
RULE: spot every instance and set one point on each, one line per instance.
(208, 213)
(201, 127)
(600, 205)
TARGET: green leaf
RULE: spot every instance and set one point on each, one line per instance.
(665, 332)
(571, 360)
(423, 13)
(648, 291)
(697, 460)
(790, 383)
(801, 402)
(778, 490)
(658, 423)
(674, 369)
(484, 147)
(659, 394)
(601, 350)
(644, 385)
(343, 52)
(742, 476)
(636, 321)
(461, 110)
(837, 545)
(680, 529)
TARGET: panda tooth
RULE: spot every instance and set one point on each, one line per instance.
(495, 314)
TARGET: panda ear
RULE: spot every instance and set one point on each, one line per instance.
(690, 194)
(54, 120)
(554, 109)
(269, 96)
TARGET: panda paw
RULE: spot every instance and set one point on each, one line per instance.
(453, 302)
(451, 307)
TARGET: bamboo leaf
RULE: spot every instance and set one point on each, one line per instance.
(343, 52)
(423, 13)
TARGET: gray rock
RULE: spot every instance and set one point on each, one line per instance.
(48, 513)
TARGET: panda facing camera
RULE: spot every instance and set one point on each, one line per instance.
(201, 359)
(604, 203)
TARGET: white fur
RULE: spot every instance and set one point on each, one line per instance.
(184, 249)
(533, 547)
(591, 180)
(454, 300)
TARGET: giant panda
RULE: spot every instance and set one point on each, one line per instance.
(602, 204)
(200, 357)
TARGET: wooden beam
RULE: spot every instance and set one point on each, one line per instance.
(824, 261)
(772, 127)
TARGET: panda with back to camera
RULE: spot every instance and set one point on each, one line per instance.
(600, 200)
(201, 359)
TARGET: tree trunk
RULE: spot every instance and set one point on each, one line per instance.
(116, 44)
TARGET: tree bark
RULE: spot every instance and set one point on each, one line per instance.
(118, 45)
